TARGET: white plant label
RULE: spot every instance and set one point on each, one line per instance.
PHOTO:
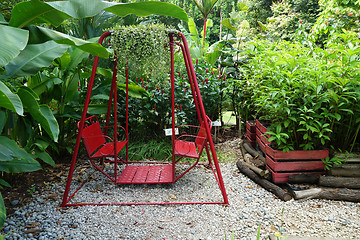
(168, 131)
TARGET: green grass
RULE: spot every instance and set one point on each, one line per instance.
(150, 150)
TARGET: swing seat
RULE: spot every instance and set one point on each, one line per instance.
(97, 144)
(191, 149)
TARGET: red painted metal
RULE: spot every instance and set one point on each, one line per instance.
(81, 126)
(142, 203)
(95, 140)
(154, 173)
(172, 78)
(202, 110)
(149, 174)
(191, 149)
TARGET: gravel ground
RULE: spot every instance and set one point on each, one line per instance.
(250, 205)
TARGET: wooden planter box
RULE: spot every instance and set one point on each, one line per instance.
(261, 138)
(283, 177)
(283, 164)
(251, 132)
(251, 126)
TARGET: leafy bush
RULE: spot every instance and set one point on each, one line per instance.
(310, 95)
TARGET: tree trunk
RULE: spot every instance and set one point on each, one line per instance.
(278, 191)
(205, 18)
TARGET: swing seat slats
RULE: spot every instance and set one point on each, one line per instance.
(185, 149)
(145, 174)
(192, 149)
(107, 150)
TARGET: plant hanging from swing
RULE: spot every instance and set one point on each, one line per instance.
(144, 48)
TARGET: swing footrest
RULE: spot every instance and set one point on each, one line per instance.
(146, 174)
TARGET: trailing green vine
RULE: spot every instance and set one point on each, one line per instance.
(144, 47)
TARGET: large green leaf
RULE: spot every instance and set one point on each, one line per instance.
(2, 211)
(45, 157)
(227, 23)
(2, 20)
(13, 40)
(143, 9)
(45, 84)
(40, 35)
(81, 8)
(17, 160)
(242, 6)
(193, 31)
(3, 118)
(54, 13)
(71, 87)
(35, 12)
(76, 57)
(42, 114)
(10, 100)
(205, 6)
(134, 90)
(34, 57)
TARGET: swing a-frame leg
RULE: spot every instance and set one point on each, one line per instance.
(97, 146)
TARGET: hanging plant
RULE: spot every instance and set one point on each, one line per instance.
(144, 47)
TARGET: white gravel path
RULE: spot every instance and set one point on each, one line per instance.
(250, 205)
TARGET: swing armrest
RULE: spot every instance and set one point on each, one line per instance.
(188, 136)
(109, 127)
(184, 133)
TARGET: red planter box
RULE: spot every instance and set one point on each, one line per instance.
(261, 138)
(311, 154)
(283, 164)
(252, 142)
(262, 145)
(251, 126)
(294, 165)
(282, 177)
(251, 132)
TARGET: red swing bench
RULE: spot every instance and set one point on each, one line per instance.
(97, 144)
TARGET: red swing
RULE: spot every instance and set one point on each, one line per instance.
(97, 146)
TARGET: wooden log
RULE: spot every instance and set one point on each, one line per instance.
(350, 157)
(306, 193)
(340, 182)
(345, 170)
(278, 191)
(304, 178)
(342, 194)
(247, 146)
(263, 173)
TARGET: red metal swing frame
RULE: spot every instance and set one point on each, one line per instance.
(156, 172)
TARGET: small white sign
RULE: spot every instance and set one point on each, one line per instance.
(168, 131)
(217, 124)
